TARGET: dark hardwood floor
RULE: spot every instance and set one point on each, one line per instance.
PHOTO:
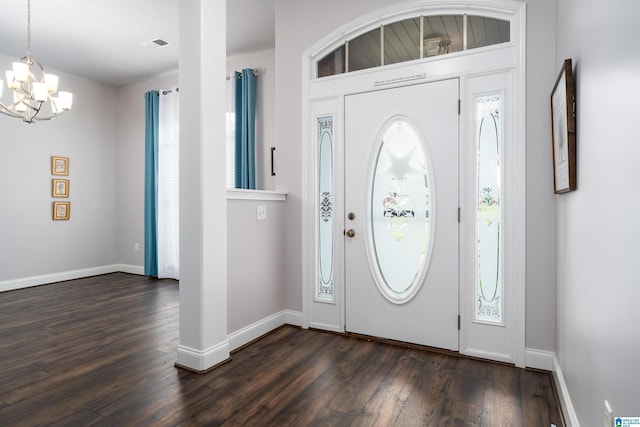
(101, 351)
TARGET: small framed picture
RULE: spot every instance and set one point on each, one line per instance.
(59, 188)
(61, 210)
(59, 165)
(563, 131)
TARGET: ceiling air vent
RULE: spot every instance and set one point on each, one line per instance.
(156, 43)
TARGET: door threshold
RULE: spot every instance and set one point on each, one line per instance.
(420, 347)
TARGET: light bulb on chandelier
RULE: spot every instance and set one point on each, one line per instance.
(32, 88)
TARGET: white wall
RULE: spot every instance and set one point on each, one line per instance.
(320, 18)
(264, 63)
(597, 226)
(31, 243)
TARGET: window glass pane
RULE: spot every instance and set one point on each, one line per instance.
(483, 31)
(402, 41)
(488, 225)
(364, 51)
(324, 290)
(442, 34)
(333, 63)
(400, 210)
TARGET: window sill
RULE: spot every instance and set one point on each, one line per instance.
(238, 194)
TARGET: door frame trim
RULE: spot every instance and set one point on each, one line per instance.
(322, 97)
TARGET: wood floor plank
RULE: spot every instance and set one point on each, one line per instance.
(361, 386)
(502, 404)
(392, 394)
(101, 351)
(311, 404)
(538, 403)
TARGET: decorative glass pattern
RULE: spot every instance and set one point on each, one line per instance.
(324, 289)
(489, 250)
(400, 211)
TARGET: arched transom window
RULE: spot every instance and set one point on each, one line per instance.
(414, 38)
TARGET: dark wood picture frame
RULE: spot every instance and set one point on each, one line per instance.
(563, 131)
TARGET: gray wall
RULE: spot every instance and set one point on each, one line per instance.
(254, 262)
(31, 243)
(597, 226)
(130, 139)
(320, 18)
(255, 248)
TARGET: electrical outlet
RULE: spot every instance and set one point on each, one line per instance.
(136, 247)
(261, 213)
(608, 414)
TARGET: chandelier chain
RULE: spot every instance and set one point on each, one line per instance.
(29, 29)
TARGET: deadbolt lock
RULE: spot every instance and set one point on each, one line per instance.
(351, 216)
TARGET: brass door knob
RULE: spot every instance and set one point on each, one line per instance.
(350, 232)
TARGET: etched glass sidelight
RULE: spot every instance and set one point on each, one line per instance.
(488, 224)
(324, 289)
(400, 212)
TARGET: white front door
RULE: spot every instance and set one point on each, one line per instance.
(401, 213)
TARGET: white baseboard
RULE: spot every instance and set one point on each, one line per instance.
(131, 269)
(569, 413)
(538, 359)
(26, 282)
(293, 317)
(249, 333)
(201, 360)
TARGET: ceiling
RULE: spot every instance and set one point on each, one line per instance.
(103, 39)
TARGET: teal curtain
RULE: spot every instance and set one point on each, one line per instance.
(151, 100)
(245, 148)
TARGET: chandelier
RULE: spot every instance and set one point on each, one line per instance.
(32, 88)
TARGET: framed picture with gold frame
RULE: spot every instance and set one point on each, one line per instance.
(59, 165)
(59, 187)
(61, 210)
(563, 131)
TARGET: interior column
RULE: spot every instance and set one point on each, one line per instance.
(203, 200)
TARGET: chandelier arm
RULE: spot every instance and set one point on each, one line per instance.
(9, 112)
(27, 102)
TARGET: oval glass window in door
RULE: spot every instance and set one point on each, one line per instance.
(401, 211)
(324, 288)
(488, 276)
